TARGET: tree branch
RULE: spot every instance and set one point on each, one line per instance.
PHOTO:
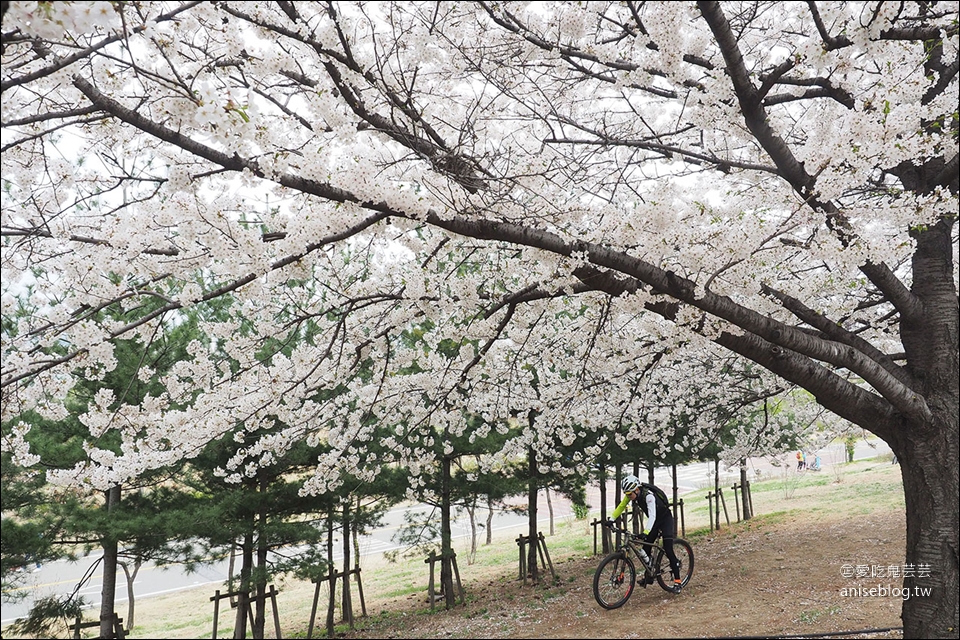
(776, 336)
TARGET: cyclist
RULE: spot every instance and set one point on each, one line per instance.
(659, 520)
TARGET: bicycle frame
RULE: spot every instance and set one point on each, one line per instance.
(633, 545)
(616, 575)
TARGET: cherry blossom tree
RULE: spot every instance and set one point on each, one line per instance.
(565, 189)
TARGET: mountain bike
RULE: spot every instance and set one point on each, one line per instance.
(617, 574)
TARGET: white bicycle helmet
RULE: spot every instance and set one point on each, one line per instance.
(630, 483)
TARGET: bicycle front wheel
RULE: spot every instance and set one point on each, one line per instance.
(613, 582)
(684, 553)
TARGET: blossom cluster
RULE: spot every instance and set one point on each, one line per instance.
(388, 219)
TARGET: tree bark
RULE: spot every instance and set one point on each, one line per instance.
(131, 577)
(346, 598)
(355, 533)
(108, 592)
(928, 450)
(446, 542)
(243, 597)
(263, 546)
(676, 498)
(533, 489)
(549, 508)
(472, 515)
(716, 490)
(602, 479)
(489, 538)
(929, 469)
(745, 490)
(639, 510)
(331, 573)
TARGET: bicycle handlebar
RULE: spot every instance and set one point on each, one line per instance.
(614, 528)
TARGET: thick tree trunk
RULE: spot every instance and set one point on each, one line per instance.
(533, 489)
(260, 589)
(263, 546)
(231, 573)
(745, 490)
(928, 463)
(346, 595)
(446, 542)
(716, 491)
(331, 576)
(243, 597)
(639, 513)
(355, 533)
(602, 480)
(928, 450)
(108, 593)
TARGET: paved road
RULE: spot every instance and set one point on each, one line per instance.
(62, 577)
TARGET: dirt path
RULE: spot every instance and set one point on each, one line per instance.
(782, 574)
(772, 579)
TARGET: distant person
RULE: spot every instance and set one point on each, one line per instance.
(801, 461)
(30, 558)
(659, 521)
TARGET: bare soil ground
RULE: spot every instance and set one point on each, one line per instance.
(779, 574)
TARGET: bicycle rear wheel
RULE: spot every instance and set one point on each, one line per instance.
(613, 582)
(684, 553)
